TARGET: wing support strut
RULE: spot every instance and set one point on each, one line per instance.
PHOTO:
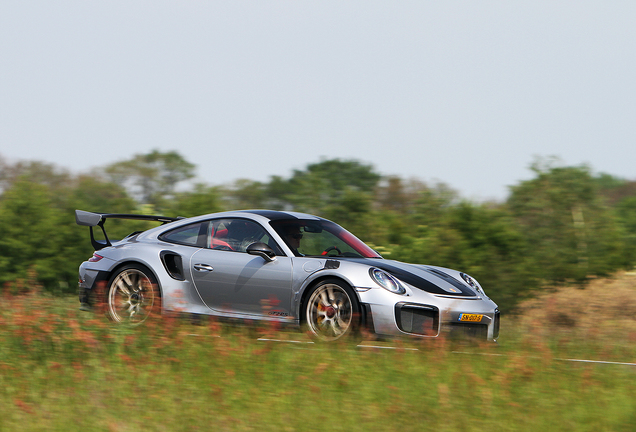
(91, 220)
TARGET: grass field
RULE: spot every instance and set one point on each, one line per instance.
(62, 369)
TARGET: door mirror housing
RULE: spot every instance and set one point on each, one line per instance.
(263, 250)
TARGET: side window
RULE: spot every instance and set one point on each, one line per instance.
(235, 234)
(217, 235)
(187, 235)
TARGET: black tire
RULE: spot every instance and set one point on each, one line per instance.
(331, 312)
(132, 295)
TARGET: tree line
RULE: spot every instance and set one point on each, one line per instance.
(566, 224)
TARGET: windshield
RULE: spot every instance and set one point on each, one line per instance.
(321, 238)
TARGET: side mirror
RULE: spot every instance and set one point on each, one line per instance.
(263, 250)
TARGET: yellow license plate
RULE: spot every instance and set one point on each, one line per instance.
(470, 317)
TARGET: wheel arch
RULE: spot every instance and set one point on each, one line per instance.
(123, 264)
(310, 284)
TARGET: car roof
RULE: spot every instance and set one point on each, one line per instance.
(271, 215)
(278, 215)
(263, 215)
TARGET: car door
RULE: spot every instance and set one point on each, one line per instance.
(230, 280)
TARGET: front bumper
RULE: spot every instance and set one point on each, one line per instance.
(430, 316)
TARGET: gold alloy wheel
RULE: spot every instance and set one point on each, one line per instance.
(329, 312)
(131, 296)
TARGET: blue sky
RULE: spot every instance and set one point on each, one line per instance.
(463, 92)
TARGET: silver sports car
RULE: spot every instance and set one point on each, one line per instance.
(277, 266)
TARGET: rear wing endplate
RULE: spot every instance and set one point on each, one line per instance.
(91, 220)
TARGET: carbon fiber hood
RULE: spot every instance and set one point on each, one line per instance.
(426, 278)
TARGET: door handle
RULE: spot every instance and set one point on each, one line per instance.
(203, 267)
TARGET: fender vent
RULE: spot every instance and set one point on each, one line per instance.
(173, 264)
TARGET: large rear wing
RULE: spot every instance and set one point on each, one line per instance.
(91, 220)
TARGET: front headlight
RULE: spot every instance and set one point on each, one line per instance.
(386, 281)
(472, 283)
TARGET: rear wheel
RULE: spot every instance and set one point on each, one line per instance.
(332, 312)
(132, 294)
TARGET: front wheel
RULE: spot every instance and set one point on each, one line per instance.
(332, 312)
(132, 295)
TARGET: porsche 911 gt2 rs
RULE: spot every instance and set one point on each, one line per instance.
(287, 267)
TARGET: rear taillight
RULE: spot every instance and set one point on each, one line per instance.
(95, 258)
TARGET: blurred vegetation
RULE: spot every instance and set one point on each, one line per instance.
(63, 369)
(564, 225)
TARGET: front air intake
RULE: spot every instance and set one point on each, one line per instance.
(497, 324)
(468, 330)
(417, 319)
